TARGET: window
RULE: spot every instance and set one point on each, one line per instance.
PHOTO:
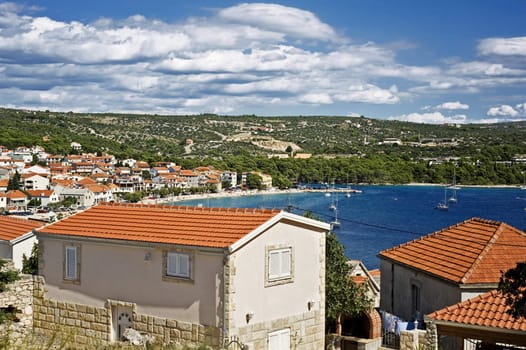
(415, 300)
(178, 265)
(279, 265)
(279, 340)
(72, 263)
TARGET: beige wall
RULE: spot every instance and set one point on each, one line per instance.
(105, 272)
(435, 294)
(280, 300)
(23, 247)
(280, 306)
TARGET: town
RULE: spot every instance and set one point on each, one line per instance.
(65, 215)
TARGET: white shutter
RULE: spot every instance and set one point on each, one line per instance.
(178, 264)
(71, 263)
(279, 263)
(171, 264)
(285, 263)
(184, 265)
(279, 340)
(274, 264)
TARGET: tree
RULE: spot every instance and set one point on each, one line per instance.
(6, 275)
(30, 265)
(343, 297)
(512, 285)
(14, 182)
(254, 181)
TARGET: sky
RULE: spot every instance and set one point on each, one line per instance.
(421, 61)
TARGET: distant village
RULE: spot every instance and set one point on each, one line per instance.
(86, 179)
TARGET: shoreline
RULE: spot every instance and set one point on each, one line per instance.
(182, 198)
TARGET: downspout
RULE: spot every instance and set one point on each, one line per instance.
(223, 331)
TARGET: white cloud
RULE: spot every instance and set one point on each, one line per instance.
(453, 105)
(502, 110)
(431, 118)
(503, 46)
(316, 98)
(291, 21)
(368, 93)
(483, 69)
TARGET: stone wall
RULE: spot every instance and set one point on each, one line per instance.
(306, 331)
(84, 325)
(20, 296)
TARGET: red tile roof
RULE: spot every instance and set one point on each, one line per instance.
(14, 194)
(487, 310)
(11, 228)
(40, 193)
(206, 227)
(473, 251)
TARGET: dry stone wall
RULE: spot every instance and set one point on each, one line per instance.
(19, 295)
(88, 325)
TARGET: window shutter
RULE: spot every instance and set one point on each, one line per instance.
(184, 265)
(171, 264)
(285, 263)
(274, 264)
(71, 263)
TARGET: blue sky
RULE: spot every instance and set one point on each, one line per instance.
(421, 61)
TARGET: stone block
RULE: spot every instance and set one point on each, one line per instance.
(186, 335)
(171, 323)
(159, 321)
(184, 326)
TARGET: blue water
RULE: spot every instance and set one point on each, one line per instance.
(385, 216)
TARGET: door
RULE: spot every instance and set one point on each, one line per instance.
(122, 319)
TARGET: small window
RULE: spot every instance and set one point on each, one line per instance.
(279, 266)
(71, 263)
(279, 263)
(178, 265)
(279, 340)
(415, 300)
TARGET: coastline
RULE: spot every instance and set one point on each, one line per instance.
(223, 194)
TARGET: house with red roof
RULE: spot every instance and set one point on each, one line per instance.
(16, 201)
(185, 274)
(35, 182)
(17, 238)
(45, 196)
(449, 266)
(482, 319)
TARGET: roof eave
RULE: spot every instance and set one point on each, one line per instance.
(274, 220)
(473, 327)
(123, 242)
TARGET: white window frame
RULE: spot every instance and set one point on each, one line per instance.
(279, 265)
(72, 268)
(279, 340)
(173, 266)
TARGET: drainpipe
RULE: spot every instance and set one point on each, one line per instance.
(225, 259)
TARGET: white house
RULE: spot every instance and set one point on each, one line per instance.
(16, 238)
(45, 196)
(83, 196)
(35, 182)
(185, 274)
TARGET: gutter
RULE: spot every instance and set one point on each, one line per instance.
(223, 330)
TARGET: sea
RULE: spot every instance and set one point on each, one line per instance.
(384, 216)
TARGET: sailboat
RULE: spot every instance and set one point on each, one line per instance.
(443, 205)
(335, 222)
(332, 206)
(454, 186)
(523, 186)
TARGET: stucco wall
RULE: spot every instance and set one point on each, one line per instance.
(434, 293)
(120, 272)
(23, 247)
(283, 305)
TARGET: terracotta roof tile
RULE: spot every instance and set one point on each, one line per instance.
(11, 228)
(207, 227)
(488, 309)
(473, 251)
